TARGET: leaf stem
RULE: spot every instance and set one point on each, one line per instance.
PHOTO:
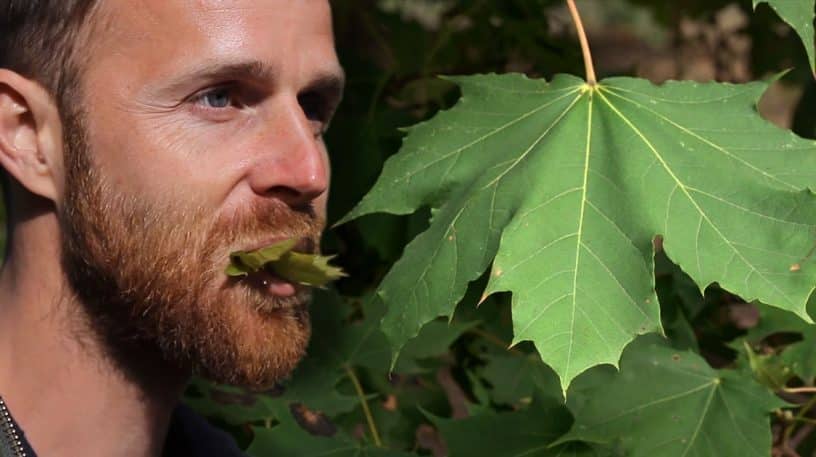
(361, 396)
(579, 27)
(799, 390)
(805, 420)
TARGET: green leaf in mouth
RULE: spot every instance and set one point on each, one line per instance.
(278, 258)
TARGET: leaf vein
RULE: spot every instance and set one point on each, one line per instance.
(486, 135)
(691, 199)
(705, 140)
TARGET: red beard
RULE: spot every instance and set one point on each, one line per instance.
(149, 276)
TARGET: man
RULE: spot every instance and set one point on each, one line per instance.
(142, 141)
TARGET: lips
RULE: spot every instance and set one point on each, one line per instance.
(273, 283)
(267, 280)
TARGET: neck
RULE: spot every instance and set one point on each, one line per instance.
(62, 383)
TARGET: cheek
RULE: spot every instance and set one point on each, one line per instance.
(165, 158)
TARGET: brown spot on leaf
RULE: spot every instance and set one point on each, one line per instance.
(390, 403)
(429, 438)
(314, 422)
(232, 398)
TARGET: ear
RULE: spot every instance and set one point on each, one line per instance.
(30, 135)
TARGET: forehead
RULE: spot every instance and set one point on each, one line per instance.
(168, 34)
(215, 16)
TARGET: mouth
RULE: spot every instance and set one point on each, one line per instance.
(305, 245)
(273, 284)
(267, 280)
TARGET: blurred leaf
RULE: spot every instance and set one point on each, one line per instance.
(232, 405)
(799, 15)
(680, 302)
(433, 340)
(527, 432)
(666, 402)
(340, 341)
(768, 369)
(800, 356)
(804, 116)
(517, 377)
(288, 438)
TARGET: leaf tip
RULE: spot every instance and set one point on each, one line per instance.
(393, 364)
(778, 75)
(564, 387)
(343, 220)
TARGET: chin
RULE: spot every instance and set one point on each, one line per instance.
(254, 342)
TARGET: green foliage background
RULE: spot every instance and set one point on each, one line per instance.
(457, 389)
(696, 393)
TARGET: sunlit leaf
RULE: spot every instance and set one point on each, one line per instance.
(298, 267)
(563, 188)
(245, 262)
(307, 269)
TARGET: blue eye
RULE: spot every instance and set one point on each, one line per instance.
(216, 98)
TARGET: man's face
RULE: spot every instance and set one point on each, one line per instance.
(198, 134)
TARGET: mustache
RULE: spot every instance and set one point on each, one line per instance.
(266, 219)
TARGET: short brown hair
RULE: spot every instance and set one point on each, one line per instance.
(37, 38)
(38, 41)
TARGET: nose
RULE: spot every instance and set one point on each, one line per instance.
(293, 164)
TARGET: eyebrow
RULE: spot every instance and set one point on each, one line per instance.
(255, 71)
(327, 81)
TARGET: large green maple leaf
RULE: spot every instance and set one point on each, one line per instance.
(564, 186)
(665, 402)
